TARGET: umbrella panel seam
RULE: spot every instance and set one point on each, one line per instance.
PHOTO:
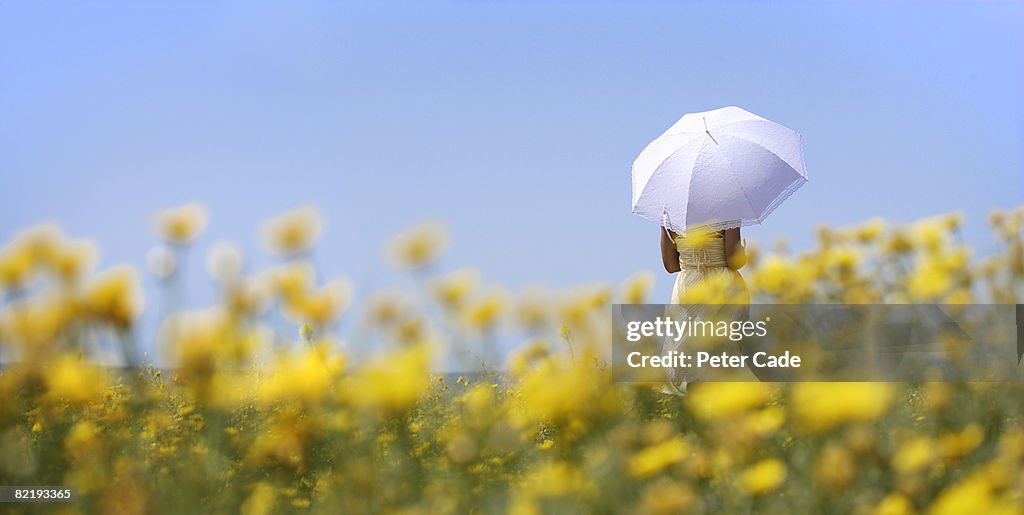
(658, 168)
(739, 185)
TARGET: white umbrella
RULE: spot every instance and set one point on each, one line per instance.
(723, 168)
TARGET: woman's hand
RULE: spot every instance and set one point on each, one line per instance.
(669, 252)
(735, 251)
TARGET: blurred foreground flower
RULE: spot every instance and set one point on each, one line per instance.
(393, 383)
(293, 232)
(224, 262)
(161, 262)
(320, 307)
(822, 406)
(419, 246)
(386, 307)
(311, 428)
(764, 476)
(307, 334)
(15, 267)
(72, 380)
(307, 375)
(44, 248)
(181, 225)
(719, 400)
(452, 290)
(114, 296)
(636, 288)
(483, 311)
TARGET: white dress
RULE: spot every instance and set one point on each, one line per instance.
(709, 288)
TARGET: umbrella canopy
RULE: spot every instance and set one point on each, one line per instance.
(720, 169)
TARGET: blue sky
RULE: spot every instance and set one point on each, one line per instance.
(515, 123)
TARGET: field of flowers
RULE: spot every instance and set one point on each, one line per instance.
(267, 409)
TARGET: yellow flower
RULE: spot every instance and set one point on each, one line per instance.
(894, 504)
(953, 220)
(77, 382)
(960, 443)
(386, 307)
(484, 311)
(526, 356)
(1011, 443)
(713, 401)
(914, 455)
(461, 448)
(552, 432)
(765, 422)
(293, 280)
(636, 288)
(74, 259)
(871, 230)
(307, 334)
(412, 330)
(200, 342)
(478, 400)
(996, 217)
(930, 279)
(578, 306)
(182, 224)
(454, 289)
(561, 390)
(668, 497)
(42, 243)
(82, 437)
(843, 259)
(930, 233)
(658, 457)
(249, 296)
(821, 406)
(114, 296)
(261, 501)
(898, 243)
(37, 323)
(936, 395)
(565, 333)
(698, 237)
(323, 306)
(419, 246)
(835, 466)
(35, 248)
(775, 274)
(764, 476)
(533, 307)
(15, 267)
(293, 232)
(556, 479)
(392, 383)
(305, 376)
(973, 494)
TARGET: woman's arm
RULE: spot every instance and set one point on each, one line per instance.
(735, 254)
(669, 252)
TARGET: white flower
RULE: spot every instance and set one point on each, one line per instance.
(224, 262)
(161, 262)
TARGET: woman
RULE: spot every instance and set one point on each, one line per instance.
(709, 283)
(704, 255)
